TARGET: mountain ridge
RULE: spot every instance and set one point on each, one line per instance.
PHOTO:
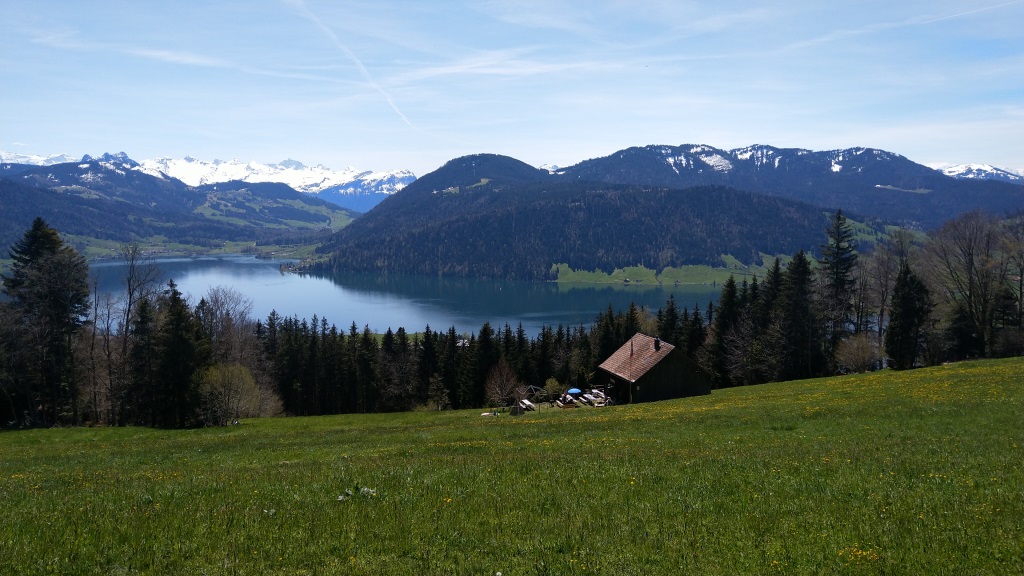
(107, 199)
(659, 206)
(351, 188)
(872, 182)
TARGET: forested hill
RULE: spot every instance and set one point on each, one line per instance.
(494, 216)
(873, 183)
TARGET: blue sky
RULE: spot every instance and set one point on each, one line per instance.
(411, 84)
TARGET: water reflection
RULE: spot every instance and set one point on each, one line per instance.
(411, 302)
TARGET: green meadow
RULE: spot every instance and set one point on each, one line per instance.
(918, 472)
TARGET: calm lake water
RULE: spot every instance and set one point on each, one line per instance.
(409, 302)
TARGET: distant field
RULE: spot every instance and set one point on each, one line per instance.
(919, 472)
(699, 274)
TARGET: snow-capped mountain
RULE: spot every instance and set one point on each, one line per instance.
(981, 172)
(291, 172)
(700, 164)
(350, 188)
(865, 181)
(35, 160)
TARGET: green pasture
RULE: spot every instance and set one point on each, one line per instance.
(695, 274)
(918, 472)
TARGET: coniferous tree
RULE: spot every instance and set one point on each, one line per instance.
(669, 323)
(427, 364)
(468, 393)
(450, 366)
(727, 314)
(801, 339)
(183, 351)
(49, 301)
(142, 399)
(696, 333)
(911, 304)
(367, 371)
(837, 283)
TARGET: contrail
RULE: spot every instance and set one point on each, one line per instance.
(969, 12)
(307, 14)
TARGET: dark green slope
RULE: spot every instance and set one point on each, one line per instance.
(503, 221)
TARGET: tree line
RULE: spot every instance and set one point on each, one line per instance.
(148, 356)
(909, 301)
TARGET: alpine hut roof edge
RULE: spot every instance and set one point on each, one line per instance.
(636, 357)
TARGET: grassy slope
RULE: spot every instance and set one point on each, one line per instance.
(918, 472)
(683, 275)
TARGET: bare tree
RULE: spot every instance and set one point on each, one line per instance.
(968, 270)
(881, 268)
(226, 315)
(94, 387)
(502, 386)
(229, 392)
(858, 353)
(140, 279)
(1013, 247)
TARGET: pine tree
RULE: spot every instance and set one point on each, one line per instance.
(727, 315)
(184, 350)
(800, 337)
(838, 260)
(142, 398)
(49, 301)
(669, 323)
(911, 304)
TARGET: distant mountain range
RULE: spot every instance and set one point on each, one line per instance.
(489, 215)
(659, 206)
(350, 188)
(361, 190)
(870, 182)
(109, 200)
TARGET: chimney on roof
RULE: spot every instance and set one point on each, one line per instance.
(657, 343)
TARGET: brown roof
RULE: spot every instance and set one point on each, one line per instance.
(635, 358)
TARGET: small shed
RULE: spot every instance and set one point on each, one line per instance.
(645, 369)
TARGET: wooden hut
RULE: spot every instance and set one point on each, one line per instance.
(645, 369)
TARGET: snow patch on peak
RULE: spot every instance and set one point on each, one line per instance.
(980, 172)
(717, 162)
(760, 154)
(679, 161)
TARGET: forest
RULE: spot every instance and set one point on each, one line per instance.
(517, 231)
(150, 357)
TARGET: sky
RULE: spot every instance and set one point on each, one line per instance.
(411, 84)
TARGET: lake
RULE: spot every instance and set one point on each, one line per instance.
(403, 301)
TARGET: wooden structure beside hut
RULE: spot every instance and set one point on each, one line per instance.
(645, 369)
